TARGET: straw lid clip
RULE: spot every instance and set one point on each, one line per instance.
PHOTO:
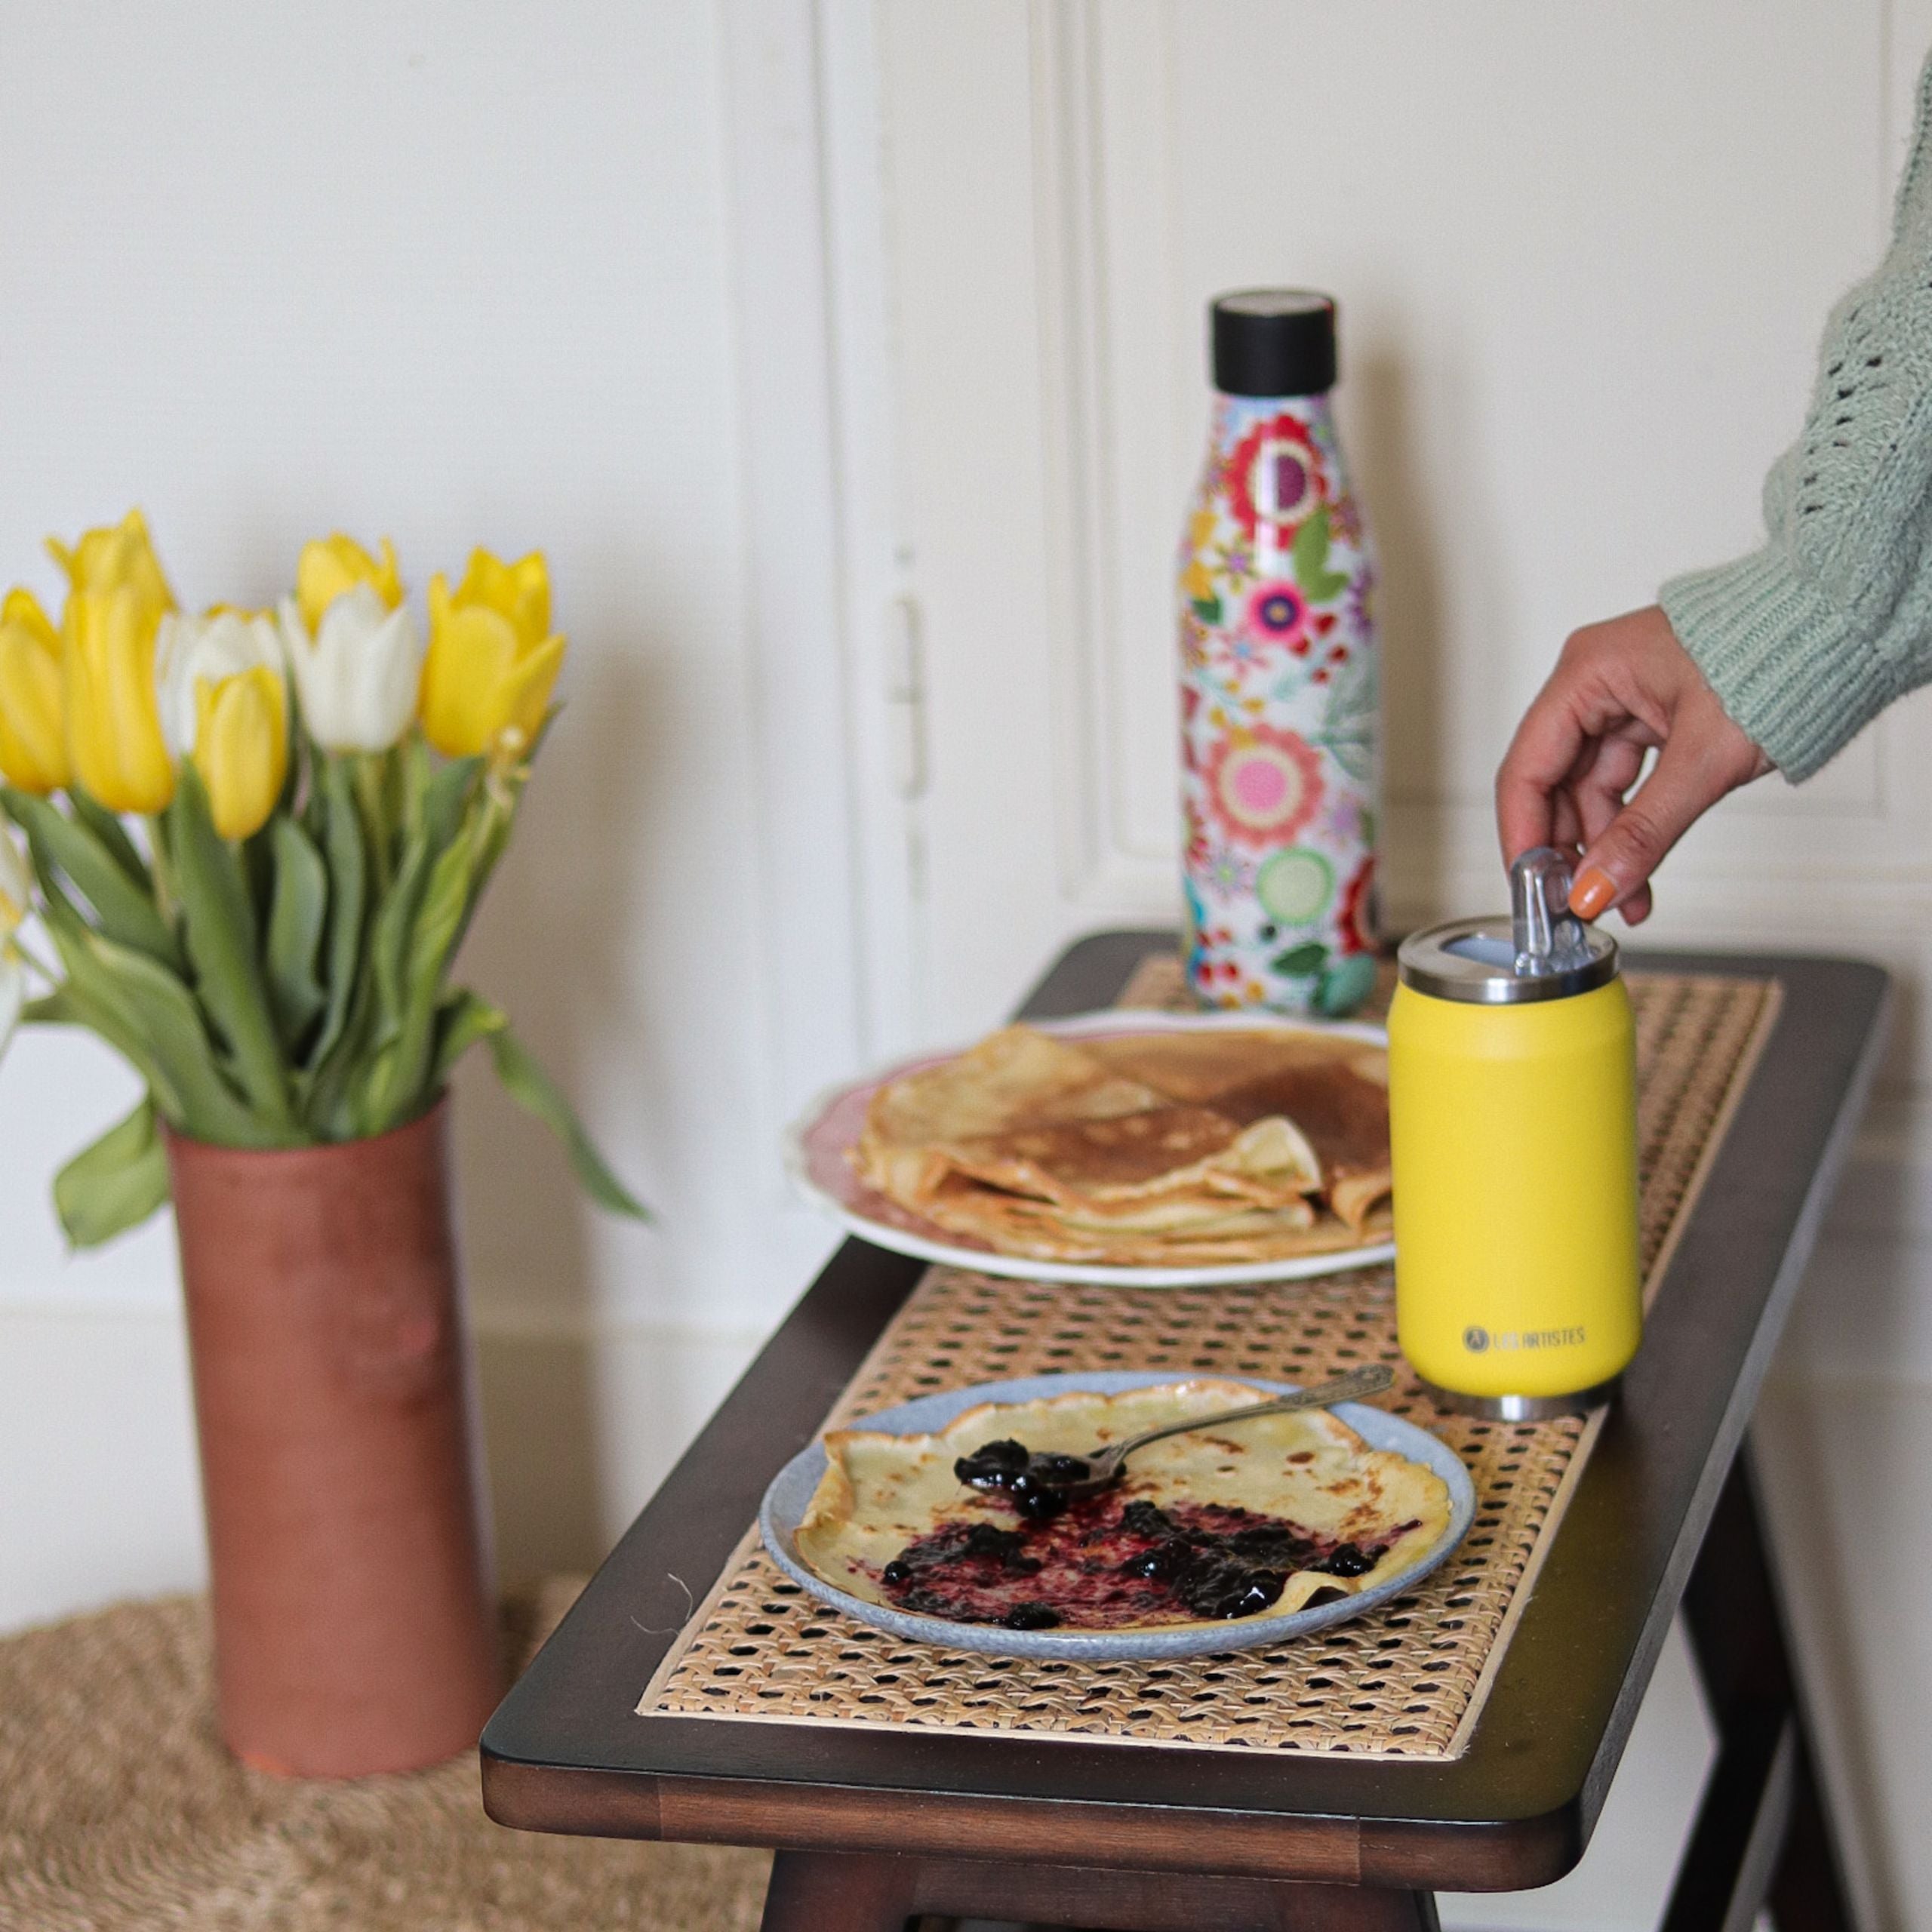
(1550, 937)
(1541, 951)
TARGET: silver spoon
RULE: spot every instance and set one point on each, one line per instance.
(1044, 1484)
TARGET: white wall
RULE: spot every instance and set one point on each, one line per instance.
(458, 273)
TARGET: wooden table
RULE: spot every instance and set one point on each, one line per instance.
(875, 1826)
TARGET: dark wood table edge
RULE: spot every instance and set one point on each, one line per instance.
(547, 1767)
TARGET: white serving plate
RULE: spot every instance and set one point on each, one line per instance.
(792, 1491)
(817, 1143)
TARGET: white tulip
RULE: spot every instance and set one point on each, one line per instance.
(358, 676)
(186, 649)
(15, 895)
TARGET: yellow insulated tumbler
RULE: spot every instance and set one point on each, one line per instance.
(1512, 1100)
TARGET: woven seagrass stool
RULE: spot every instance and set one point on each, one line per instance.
(120, 1811)
(1463, 1737)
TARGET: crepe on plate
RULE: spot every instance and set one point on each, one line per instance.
(1173, 1148)
(884, 1499)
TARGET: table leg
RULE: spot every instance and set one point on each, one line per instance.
(814, 1891)
(828, 1891)
(1762, 1832)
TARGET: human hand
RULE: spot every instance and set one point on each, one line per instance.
(1619, 689)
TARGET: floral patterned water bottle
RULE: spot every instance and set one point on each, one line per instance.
(1279, 678)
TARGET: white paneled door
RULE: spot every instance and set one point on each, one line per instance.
(1583, 255)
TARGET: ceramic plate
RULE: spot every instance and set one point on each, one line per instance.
(791, 1492)
(815, 1147)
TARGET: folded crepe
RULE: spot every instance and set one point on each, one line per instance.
(1169, 1234)
(1335, 1090)
(1012, 1078)
(1168, 1148)
(1161, 1150)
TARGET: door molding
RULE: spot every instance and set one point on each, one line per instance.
(1116, 440)
(833, 918)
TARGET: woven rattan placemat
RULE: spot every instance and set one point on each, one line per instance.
(1406, 1681)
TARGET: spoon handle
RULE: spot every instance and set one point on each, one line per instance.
(1368, 1381)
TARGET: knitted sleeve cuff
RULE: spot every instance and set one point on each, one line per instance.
(1781, 661)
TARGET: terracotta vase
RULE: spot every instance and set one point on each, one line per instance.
(334, 1398)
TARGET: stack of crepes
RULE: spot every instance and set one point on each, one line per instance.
(1171, 1149)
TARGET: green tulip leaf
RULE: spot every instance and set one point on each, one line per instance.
(125, 910)
(218, 923)
(491, 839)
(296, 913)
(116, 1183)
(397, 1088)
(410, 769)
(451, 892)
(71, 1005)
(401, 890)
(112, 834)
(342, 841)
(371, 779)
(446, 799)
(89, 997)
(388, 937)
(461, 1020)
(416, 926)
(67, 1005)
(59, 1008)
(169, 1025)
(533, 1089)
(328, 1103)
(145, 1011)
(455, 885)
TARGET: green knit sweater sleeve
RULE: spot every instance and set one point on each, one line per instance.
(1806, 641)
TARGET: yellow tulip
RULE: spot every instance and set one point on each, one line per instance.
(117, 556)
(33, 745)
(223, 644)
(115, 745)
(242, 747)
(493, 658)
(332, 564)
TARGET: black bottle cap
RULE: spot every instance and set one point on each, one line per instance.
(1273, 342)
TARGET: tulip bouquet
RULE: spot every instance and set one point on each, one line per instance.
(254, 841)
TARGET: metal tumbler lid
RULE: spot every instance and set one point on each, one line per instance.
(1541, 951)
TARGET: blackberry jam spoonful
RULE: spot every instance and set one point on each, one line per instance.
(1041, 1484)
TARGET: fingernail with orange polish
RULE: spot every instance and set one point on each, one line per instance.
(1594, 892)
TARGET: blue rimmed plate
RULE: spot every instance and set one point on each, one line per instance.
(792, 1488)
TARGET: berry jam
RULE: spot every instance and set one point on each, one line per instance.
(1106, 1563)
(1034, 1485)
